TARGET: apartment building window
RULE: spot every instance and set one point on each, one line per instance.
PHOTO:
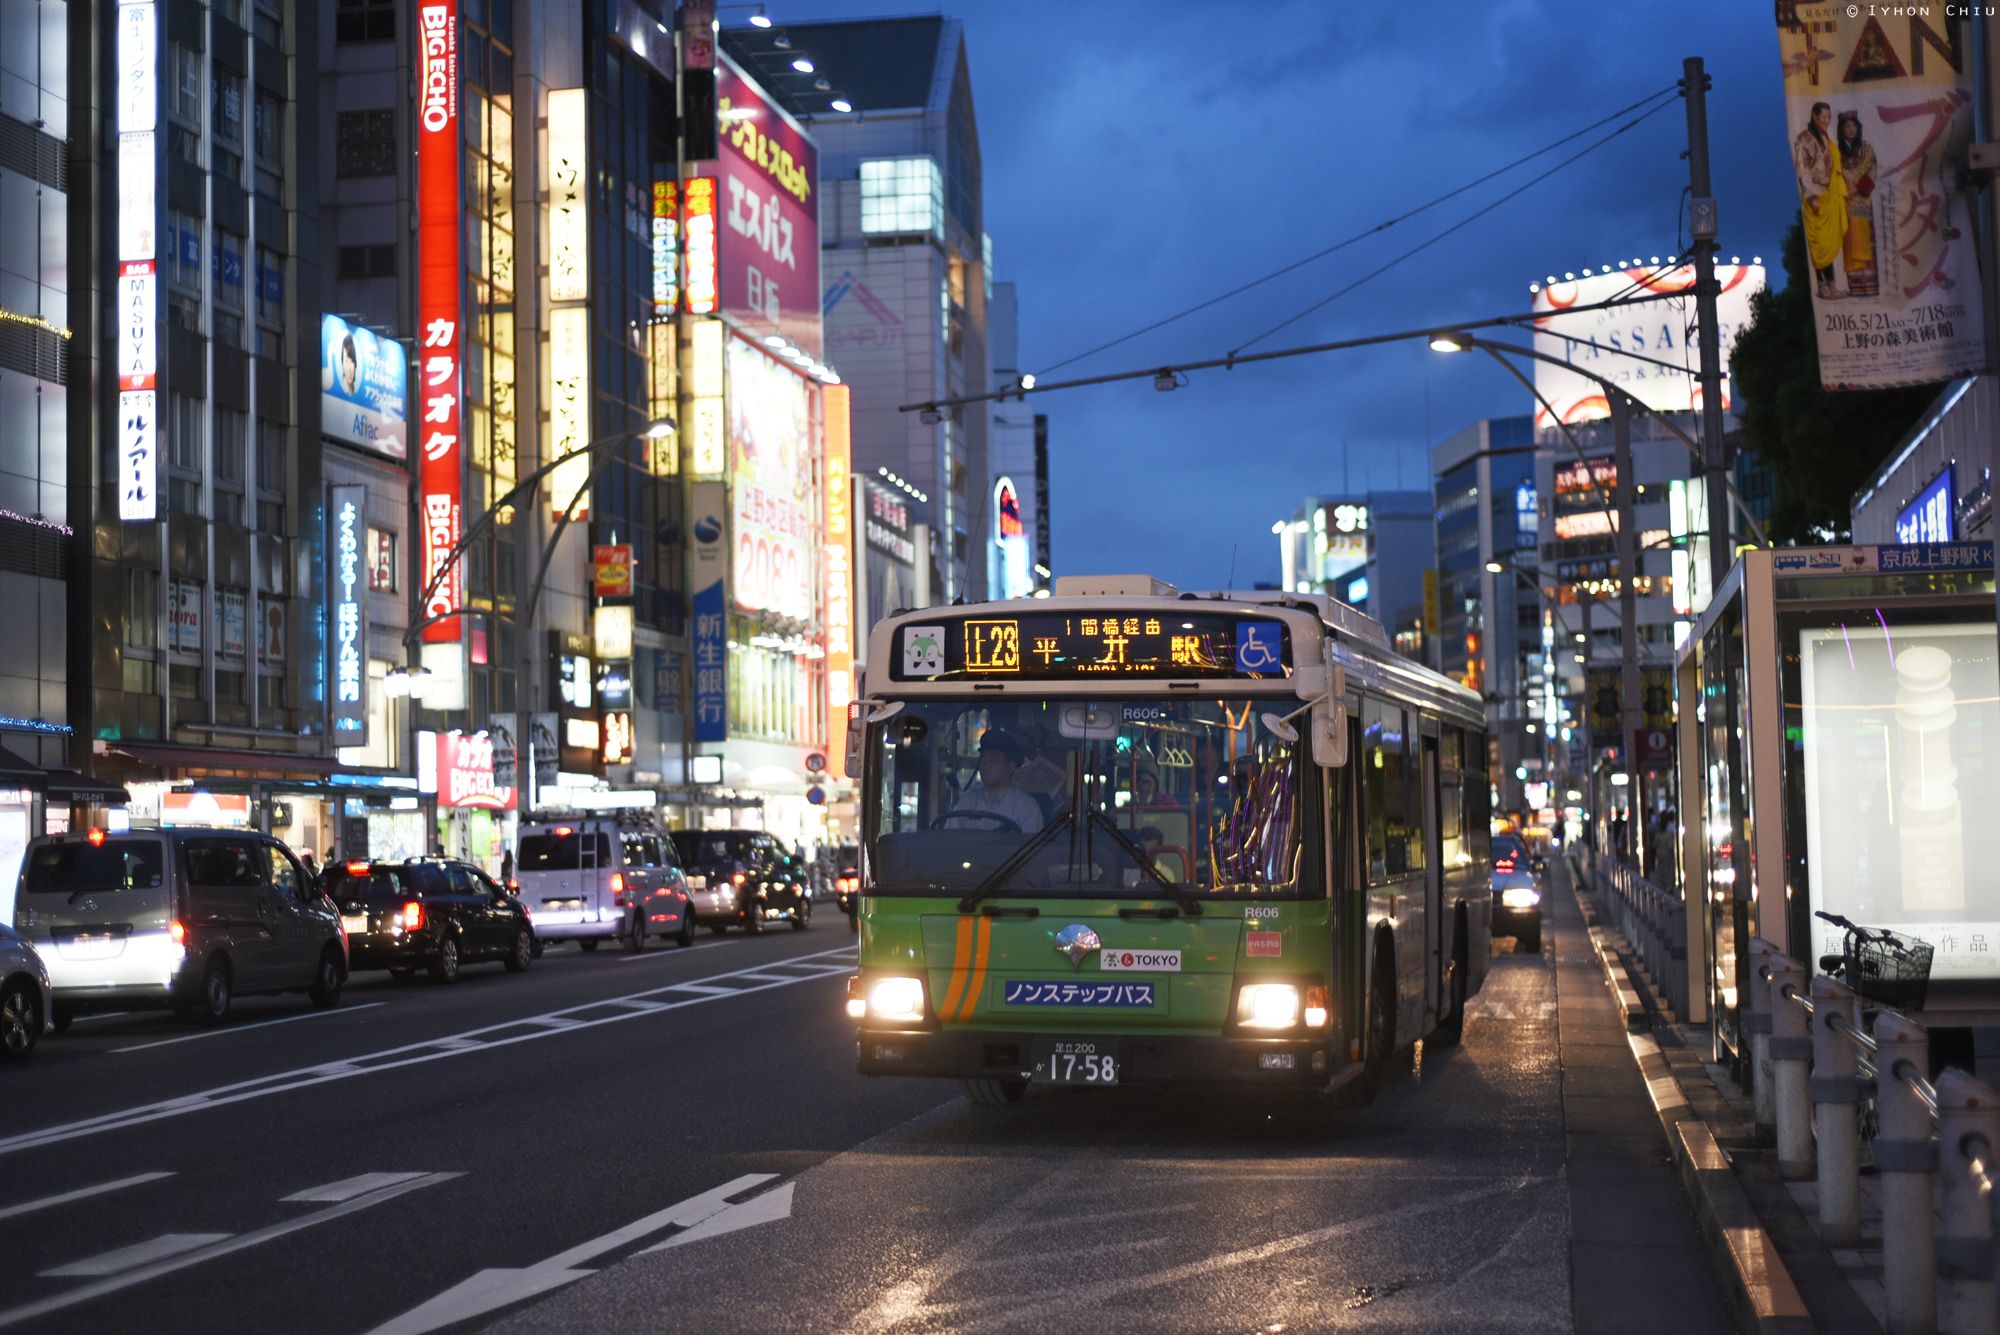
(270, 285)
(901, 195)
(230, 429)
(365, 21)
(228, 265)
(366, 261)
(364, 143)
(186, 270)
(184, 85)
(264, 127)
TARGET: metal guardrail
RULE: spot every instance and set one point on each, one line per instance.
(1829, 1072)
(1652, 919)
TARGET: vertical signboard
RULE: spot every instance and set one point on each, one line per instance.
(346, 637)
(837, 542)
(137, 100)
(699, 207)
(1879, 102)
(439, 273)
(707, 444)
(569, 223)
(771, 467)
(707, 505)
(569, 411)
(770, 211)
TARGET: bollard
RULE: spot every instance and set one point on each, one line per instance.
(1757, 1025)
(1836, 1123)
(1968, 1131)
(1791, 1046)
(1906, 1157)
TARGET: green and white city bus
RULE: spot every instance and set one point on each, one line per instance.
(1130, 835)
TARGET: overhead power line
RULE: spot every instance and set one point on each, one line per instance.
(1363, 235)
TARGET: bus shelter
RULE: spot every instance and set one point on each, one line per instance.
(1839, 727)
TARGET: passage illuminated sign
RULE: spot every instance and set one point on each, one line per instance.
(1052, 646)
(838, 546)
(439, 273)
(346, 638)
(137, 101)
(569, 411)
(569, 222)
(666, 247)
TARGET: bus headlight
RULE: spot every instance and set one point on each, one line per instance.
(898, 1000)
(1520, 898)
(1267, 1006)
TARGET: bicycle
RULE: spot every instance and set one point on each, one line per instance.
(1883, 967)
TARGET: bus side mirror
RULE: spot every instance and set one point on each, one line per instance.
(1329, 736)
(861, 713)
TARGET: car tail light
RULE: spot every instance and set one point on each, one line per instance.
(1317, 1010)
(618, 887)
(412, 916)
(513, 884)
(95, 838)
(177, 932)
(1504, 864)
(564, 832)
(357, 869)
(739, 878)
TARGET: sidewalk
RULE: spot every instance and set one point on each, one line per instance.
(1760, 1228)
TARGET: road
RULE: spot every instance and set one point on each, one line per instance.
(678, 1139)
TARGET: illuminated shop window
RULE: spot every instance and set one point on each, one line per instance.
(902, 195)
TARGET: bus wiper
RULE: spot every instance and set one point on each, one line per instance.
(1014, 862)
(1189, 901)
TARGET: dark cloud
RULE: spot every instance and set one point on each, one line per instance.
(1142, 155)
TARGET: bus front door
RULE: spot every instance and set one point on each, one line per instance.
(1437, 921)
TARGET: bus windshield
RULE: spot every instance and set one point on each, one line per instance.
(1090, 797)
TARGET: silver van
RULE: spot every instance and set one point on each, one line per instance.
(187, 918)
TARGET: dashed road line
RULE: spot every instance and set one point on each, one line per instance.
(349, 1187)
(81, 1193)
(250, 1028)
(119, 1260)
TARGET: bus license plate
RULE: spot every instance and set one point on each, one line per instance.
(1076, 1062)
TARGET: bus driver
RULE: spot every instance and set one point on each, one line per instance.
(994, 791)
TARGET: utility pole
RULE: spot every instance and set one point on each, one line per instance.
(1702, 223)
(1628, 617)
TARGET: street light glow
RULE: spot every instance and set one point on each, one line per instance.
(1449, 342)
(803, 65)
(1495, 568)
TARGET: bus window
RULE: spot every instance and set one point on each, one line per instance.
(1451, 801)
(1389, 791)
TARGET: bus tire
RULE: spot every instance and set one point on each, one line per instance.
(1453, 1028)
(1380, 1039)
(994, 1093)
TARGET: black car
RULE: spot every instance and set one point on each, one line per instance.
(847, 883)
(1517, 894)
(743, 878)
(428, 913)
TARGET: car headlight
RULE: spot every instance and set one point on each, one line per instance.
(1520, 898)
(896, 999)
(1267, 1006)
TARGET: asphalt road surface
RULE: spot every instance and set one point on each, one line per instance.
(677, 1140)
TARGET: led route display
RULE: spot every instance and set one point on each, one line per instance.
(1054, 646)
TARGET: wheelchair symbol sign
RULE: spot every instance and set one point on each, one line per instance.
(1260, 646)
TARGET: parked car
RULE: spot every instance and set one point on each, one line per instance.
(596, 878)
(1517, 893)
(188, 918)
(743, 878)
(24, 996)
(428, 913)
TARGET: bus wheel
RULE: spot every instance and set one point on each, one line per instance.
(994, 1092)
(1453, 1029)
(1381, 1037)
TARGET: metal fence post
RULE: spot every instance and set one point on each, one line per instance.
(1836, 1124)
(1906, 1157)
(1968, 1132)
(1790, 1045)
(1757, 1024)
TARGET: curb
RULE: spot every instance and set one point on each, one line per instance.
(1761, 1290)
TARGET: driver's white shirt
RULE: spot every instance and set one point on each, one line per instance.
(1010, 802)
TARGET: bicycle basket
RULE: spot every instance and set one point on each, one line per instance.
(1892, 970)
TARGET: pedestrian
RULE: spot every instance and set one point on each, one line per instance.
(507, 869)
(312, 866)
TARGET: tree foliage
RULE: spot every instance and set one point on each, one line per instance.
(1822, 447)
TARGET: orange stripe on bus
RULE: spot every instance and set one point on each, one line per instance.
(960, 957)
(985, 937)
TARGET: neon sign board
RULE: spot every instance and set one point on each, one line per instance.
(345, 634)
(439, 273)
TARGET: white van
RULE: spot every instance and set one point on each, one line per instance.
(593, 878)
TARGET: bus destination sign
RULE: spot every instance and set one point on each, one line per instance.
(1058, 646)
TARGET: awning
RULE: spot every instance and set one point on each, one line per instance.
(248, 764)
(18, 773)
(68, 785)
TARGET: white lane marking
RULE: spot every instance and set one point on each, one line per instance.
(247, 1028)
(768, 1208)
(100, 1015)
(81, 1193)
(503, 1033)
(647, 956)
(491, 1290)
(138, 1254)
(349, 1187)
(113, 1283)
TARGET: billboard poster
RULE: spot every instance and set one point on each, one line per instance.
(1879, 106)
(1010, 575)
(711, 620)
(184, 616)
(611, 569)
(837, 543)
(465, 774)
(543, 749)
(769, 206)
(1625, 345)
(230, 617)
(363, 388)
(439, 273)
(771, 466)
(347, 642)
